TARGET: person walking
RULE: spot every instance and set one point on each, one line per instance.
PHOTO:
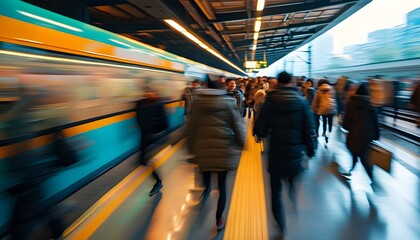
(153, 122)
(361, 122)
(216, 136)
(324, 105)
(287, 117)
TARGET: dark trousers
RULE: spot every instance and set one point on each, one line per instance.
(143, 160)
(221, 182)
(317, 117)
(327, 119)
(364, 160)
(276, 197)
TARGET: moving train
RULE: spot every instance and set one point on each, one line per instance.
(57, 73)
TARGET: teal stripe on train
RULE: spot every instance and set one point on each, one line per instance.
(109, 145)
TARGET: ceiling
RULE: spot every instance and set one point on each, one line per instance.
(228, 26)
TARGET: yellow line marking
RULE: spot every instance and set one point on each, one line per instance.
(92, 219)
(247, 217)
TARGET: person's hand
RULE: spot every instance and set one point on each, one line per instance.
(257, 139)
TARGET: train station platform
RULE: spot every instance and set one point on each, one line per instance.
(327, 207)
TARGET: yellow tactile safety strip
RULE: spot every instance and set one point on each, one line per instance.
(247, 217)
(92, 219)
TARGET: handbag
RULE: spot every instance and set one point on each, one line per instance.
(380, 156)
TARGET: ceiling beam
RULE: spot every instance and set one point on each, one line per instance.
(297, 25)
(133, 28)
(287, 38)
(278, 10)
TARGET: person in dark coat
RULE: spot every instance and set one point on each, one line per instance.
(216, 136)
(286, 115)
(361, 122)
(151, 117)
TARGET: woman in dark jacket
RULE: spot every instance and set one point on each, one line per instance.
(216, 136)
(361, 121)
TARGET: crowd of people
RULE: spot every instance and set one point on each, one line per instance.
(288, 112)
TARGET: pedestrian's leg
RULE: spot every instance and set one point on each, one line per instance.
(317, 124)
(277, 202)
(354, 156)
(330, 122)
(222, 194)
(324, 125)
(207, 186)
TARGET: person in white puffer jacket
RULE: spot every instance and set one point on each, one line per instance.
(324, 105)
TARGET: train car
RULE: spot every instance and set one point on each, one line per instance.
(59, 73)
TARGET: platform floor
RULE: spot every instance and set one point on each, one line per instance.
(328, 206)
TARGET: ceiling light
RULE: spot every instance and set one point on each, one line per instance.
(256, 36)
(260, 5)
(189, 35)
(257, 24)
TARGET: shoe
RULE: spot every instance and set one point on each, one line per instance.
(323, 134)
(221, 223)
(158, 185)
(326, 139)
(346, 176)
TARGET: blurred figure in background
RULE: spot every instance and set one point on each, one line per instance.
(250, 91)
(153, 122)
(309, 91)
(189, 95)
(216, 136)
(286, 116)
(237, 94)
(415, 101)
(342, 86)
(259, 98)
(31, 167)
(361, 122)
(378, 96)
(324, 105)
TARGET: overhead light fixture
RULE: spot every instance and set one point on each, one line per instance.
(256, 36)
(257, 24)
(260, 5)
(189, 35)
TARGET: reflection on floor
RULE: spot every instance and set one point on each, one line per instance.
(329, 207)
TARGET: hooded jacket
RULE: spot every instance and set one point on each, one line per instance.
(361, 121)
(324, 101)
(216, 132)
(286, 118)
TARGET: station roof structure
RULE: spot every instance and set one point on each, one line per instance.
(207, 30)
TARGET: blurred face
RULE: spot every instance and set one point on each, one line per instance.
(195, 85)
(222, 80)
(231, 86)
(308, 84)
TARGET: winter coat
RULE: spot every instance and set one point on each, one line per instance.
(216, 132)
(377, 92)
(324, 102)
(361, 121)
(286, 117)
(152, 119)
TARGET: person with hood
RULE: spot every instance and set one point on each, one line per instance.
(324, 105)
(286, 116)
(216, 136)
(259, 98)
(361, 121)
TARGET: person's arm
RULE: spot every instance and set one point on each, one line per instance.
(262, 122)
(308, 129)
